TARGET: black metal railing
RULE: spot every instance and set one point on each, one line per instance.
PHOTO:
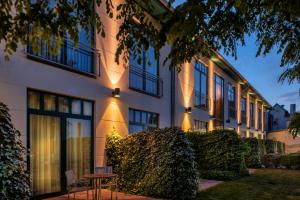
(201, 100)
(80, 58)
(145, 82)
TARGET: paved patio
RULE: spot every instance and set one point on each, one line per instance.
(105, 196)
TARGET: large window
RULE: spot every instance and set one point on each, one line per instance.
(243, 110)
(79, 58)
(251, 115)
(200, 126)
(200, 85)
(141, 120)
(144, 73)
(60, 138)
(219, 102)
(231, 101)
(259, 119)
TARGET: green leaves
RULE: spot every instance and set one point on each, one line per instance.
(14, 178)
(294, 126)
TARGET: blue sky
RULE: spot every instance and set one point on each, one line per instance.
(263, 73)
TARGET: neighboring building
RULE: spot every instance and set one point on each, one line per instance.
(292, 109)
(292, 145)
(278, 118)
(64, 108)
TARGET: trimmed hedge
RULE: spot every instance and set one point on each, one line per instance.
(256, 150)
(290, 161)
(218, 154)
(274, 147)
(158, 163)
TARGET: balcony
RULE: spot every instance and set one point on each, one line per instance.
(145, 82)
(80, 59)
(201, 100)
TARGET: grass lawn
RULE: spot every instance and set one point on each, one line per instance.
(275, 184)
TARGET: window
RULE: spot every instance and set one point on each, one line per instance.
(200, 126)
(80, 58)
(141, 120)
(200, 85)
(144, 75)
(259, 119)
(219, 102)
(243, 110)
(60, 135)
(231, 101)
(251, 114)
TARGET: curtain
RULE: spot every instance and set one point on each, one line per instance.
(79, 146)
(45, 154)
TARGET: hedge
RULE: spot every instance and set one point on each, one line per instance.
(274, 147)
(256, 150)
(158, 163)
(290, 161)
(219, 154)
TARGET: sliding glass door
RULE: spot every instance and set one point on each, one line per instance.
(45, 154)
(60, 139)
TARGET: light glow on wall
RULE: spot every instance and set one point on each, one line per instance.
(211, 94)
(186, 122)
(238, 107)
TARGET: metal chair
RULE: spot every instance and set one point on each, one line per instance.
(76, 185)
(108, 183)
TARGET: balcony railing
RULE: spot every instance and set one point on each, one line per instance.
(145, 82)
(201, 100)
(80, 58)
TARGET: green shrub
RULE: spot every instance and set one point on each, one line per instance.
(222, 175)
(253, 156)
(274, 147)
(217, 151)
(280, 147)
(271, 160)
(290, 161)
(158, 163)
(14, 178)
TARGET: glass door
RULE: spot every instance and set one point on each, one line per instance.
(45, 154)
(79, 146)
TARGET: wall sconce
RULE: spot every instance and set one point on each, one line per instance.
(239, 124)
(212, 117)
(116, 93)
(188, 109)
(248, 127)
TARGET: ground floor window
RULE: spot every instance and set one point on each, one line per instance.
(200, 126)
(141, 120)
(60, 139)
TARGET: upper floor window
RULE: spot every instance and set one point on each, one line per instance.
(219, 102)
(243, 110)
(200, 85)
(78, 58)
(251, 114)
(231, 101)
(144, 73)
(141, 120)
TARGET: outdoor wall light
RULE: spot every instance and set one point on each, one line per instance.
(239, 124)
(212, 117)
(116, 93)
(248, 127)
(188, 109)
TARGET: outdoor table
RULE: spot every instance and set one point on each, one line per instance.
(97, 179)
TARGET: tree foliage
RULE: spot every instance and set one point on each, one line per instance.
(14, 179)
(193, 28)
(294, 126)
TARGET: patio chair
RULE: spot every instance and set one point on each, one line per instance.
(75, 185)
(108, 183)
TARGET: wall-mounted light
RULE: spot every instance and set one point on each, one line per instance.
(239, 124)
(248, 127)
(116, 93)
(212, 117)
(188, 109)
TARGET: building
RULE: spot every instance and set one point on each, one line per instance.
(64, 105)
(278, 118)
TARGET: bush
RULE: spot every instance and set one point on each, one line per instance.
(158, 163)
(291, 161)
(274, 147)
(220, 151)
(253, 156)
(271, 160)
(14, 179)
